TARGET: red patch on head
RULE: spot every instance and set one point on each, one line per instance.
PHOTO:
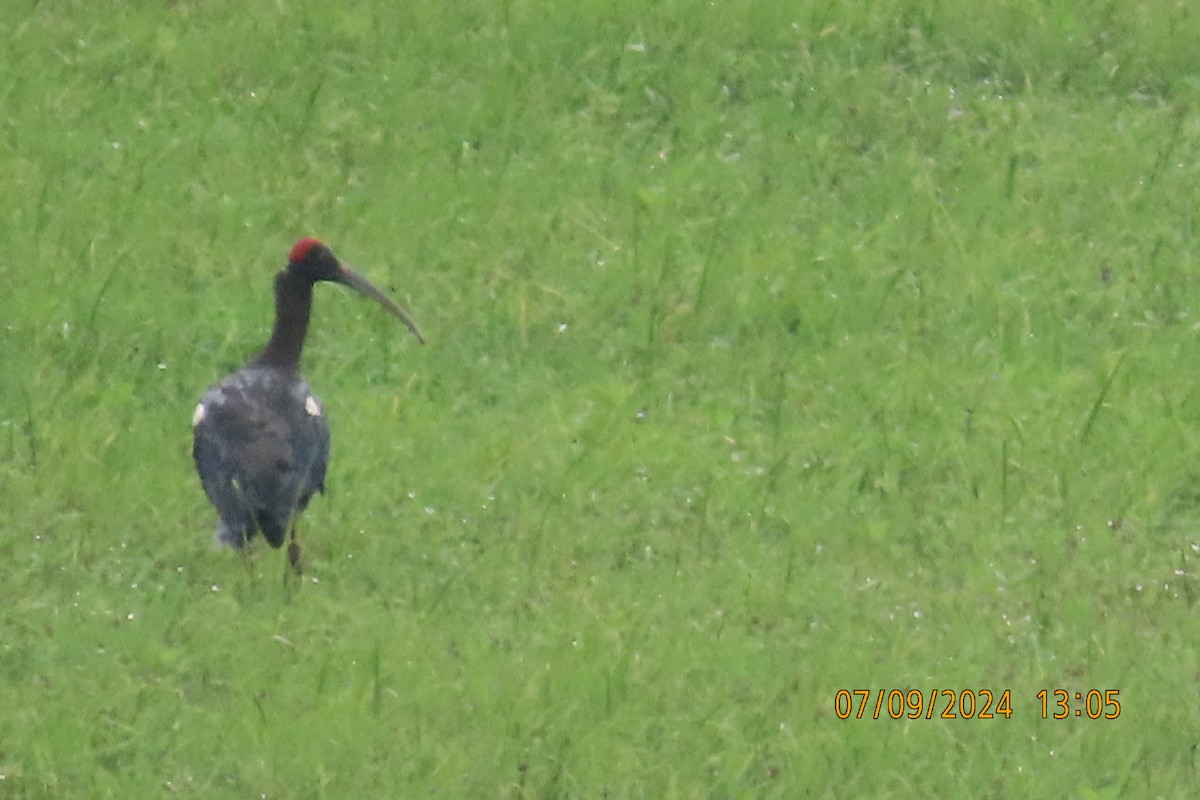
(301, 250)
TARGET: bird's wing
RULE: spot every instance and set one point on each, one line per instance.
(215, 452)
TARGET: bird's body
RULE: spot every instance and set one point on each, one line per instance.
(261, 441)
(262, 449)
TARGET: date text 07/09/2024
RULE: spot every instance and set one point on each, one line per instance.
(971, 704)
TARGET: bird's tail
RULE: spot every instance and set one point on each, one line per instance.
(229, 537)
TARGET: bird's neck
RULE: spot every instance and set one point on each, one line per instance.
(293, 304)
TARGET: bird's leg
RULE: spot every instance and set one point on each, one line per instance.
(294, 550)
(246, 552)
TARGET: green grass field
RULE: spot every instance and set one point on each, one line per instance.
(775, 349)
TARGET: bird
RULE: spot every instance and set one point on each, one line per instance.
(260, 438)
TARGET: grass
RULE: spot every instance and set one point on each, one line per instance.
(775, 349)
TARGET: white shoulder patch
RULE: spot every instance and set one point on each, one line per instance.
(199, 414)
(312, 406)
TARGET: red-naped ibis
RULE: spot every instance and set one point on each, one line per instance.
(261, 441)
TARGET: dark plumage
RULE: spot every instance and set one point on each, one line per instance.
(261, 448)
(261, 441)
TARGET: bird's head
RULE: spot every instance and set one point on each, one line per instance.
(312, 260)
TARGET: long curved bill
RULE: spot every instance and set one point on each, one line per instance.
(348, 277)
